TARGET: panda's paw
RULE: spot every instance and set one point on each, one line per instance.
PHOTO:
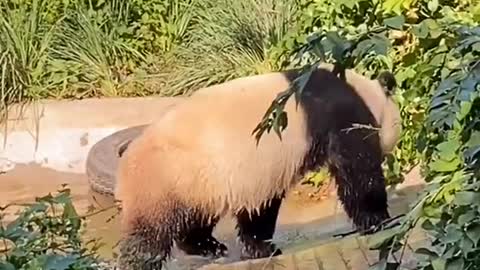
(216, 249)
(259, 250)
(207, 247)
(369, 221)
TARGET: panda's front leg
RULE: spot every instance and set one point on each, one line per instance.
(356, 164)
(256, 228)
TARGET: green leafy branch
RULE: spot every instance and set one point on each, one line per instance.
(46, 235)
(275, 117)
(448, 209)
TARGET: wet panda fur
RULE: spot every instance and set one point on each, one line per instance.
(200, 162)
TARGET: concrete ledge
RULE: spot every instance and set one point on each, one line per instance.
(59, 134)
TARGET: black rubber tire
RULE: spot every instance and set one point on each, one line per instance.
(102, 159)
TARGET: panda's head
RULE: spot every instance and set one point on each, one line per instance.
(378, 96)
(389, 118)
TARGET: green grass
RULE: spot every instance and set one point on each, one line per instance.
(135, 48)
(25, 42)
(230, 40)
(98, 57)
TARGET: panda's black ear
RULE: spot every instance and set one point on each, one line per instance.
(387, 81)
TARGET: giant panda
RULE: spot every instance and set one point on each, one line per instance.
(200, 162)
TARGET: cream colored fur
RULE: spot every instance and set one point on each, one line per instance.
(213, 161)
(391, 126)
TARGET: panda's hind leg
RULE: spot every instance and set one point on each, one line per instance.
(146, 244)
(256, 228)
(198, 239)
(149, 235)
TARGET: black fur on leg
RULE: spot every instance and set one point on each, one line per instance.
(356, 165)
(150, 239)
(199, 240)
(256, 229)
(146, 247)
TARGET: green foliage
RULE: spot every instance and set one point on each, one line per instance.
(25, 40)
(85, 48)
(451, 156)
(233, 39)
(159, 24)
(93, 53)
(317, 179)
(46, 235)
(448, 209)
